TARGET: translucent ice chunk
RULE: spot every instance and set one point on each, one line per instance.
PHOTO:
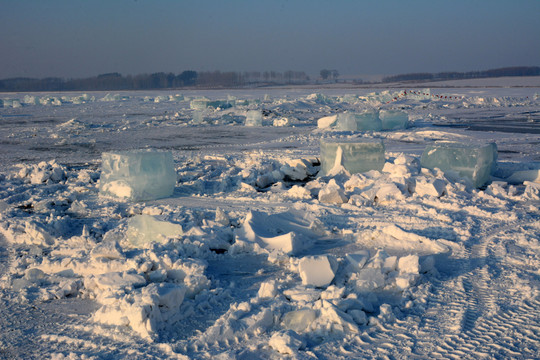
(393, 119)
(199, 104)
(198, 116)
(475, 161)
(254, 118)
(364, 121)
(144, 229)
(299, 320)
(137, 175)
(316, 270)
(355, 155)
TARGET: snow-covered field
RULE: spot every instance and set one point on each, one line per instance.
(255, 255)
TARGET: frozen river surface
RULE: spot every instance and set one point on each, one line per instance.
(400, 263)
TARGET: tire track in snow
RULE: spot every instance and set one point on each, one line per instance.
(479, 328)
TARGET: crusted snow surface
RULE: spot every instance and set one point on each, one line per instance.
(256, 254)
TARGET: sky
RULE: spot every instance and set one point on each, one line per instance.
(83, 38)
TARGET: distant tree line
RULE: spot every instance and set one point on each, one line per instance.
(161, 80)
(329, 74)
(507, 71)
(110, 81)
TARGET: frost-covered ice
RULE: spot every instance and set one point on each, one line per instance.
(258, 251)
(137, 175)
(475, 161)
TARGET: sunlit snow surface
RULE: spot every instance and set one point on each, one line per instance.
(254, 255)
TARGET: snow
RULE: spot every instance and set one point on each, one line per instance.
(262, 247)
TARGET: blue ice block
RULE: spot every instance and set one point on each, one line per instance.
(393, 119)
(355, 155)
(137, 175)
(363, 121)
(474, 161)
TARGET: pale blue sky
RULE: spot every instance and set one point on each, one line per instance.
(78, 38)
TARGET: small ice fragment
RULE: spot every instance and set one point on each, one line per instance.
(316, 270)
(521, 176)
(268, 289)
(34, 275)
(302, 293)
(144, 229)
(198, 116)
(369, 279)
(137, 175)
(253, 118)
(332, 194)
(355, 155)
(409, 264)
(299, 320)
(358, 259)
(199, 104)
(287, 342)
(108, 250)
(431, 187)
(326, 122)
(364, 121)
(474, 161)
(222, 218)
(114, 281)
(393, 119)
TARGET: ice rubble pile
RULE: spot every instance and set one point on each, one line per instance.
(353, 155)
(474, 161)
(148, 273)
(137, 175)
(44, 172)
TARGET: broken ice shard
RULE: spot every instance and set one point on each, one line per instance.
(393, 119)
(474, 161)
(364, 121)
(354, 155)
(145, 229)
(137, 175)
(254, 118)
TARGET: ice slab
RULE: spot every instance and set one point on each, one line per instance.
(289, 232)
(326, 122)
(137, 175)
(393, 119)
(364, 121)
(355, 155)
(521, 176)
(199, 103)
(299, 320)
(474, 161)
(316, 270)
(144, 229)
(358, 259)
(253, 118)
